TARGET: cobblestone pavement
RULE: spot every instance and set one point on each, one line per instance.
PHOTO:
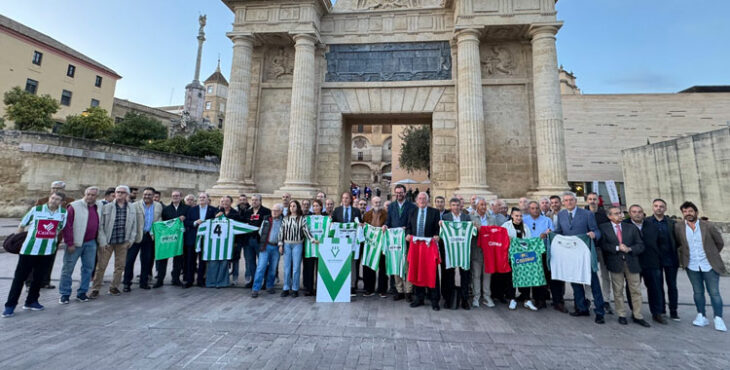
(206, 328)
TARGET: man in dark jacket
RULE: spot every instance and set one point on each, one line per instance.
(253, 216)
(176, 209)
(669, 256)
(423, 222)
(622, 245)
(398, 212)
(650, 261)
(196, 216)
(347, 212)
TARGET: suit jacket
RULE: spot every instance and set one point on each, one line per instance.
(711, 241)
(631, 237)
(396, 219)
(431, 227)
(157, 215)
(169, 212)
(338, 215)
(191, 229)
(669, 252)
(583, 222)
(600, 215)
(651, 257)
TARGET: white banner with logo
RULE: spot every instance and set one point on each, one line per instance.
(333, 272)
(612, 192)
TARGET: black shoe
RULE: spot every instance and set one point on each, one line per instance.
(248, 286)
(176, 283)
(540, 304)
(417, 303)
(127, 289)
(409, 297)
(271, 291)
(436, 307)
(674, 316)
(600, 319)
(157, 285)
(284, 293)
(201, 284)
(398, 296)
(660, 319)
(254, 294)
(465, 304)
(622, 321)
(447, 306)
(607, 308)
(309, 293)
(368, 294)
(560, 308)
(187, 285)
(295, 294)
(642, 322)
(579, 313)
(145, 287)
(353, 292)
(49, 286)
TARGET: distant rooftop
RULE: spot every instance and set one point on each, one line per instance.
(707, 89)
(27, 32)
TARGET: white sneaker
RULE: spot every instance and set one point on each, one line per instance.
(700, 320)
(475, 302)
(530, 305)
(719, 324)
(512, 304)
(490, 302)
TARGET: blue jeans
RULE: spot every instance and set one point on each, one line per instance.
(292, 265)
(217, 274)
(711, 280)
(87, 253)
(268, 258)
(579, 295)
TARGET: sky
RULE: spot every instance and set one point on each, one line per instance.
(612, 46)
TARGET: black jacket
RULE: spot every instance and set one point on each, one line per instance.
(669, 248)
(338, 215)
(650, 258)
(431, 227)
(631, 238)
(169, 212)
(395, 219)
(191, 229)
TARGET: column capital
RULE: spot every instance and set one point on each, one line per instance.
(305, 38)
(240, 37)
(539, 30)
(468, 34)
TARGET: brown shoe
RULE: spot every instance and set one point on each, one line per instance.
(560, 308)
(94, 294)
(114, 291)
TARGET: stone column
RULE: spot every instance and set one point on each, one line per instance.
(232, 177)
(472, 130)
(551, 167)
(303, 123)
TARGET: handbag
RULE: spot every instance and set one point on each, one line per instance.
(14, 242)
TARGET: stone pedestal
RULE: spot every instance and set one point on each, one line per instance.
(549, 135)
(300, 182)
(472, 132)
(232, 178)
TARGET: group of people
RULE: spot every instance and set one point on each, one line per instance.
(459, 257)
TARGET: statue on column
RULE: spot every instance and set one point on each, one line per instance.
(202, 20)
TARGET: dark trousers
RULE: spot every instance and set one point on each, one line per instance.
(146, 257)
(538, 293)
(501, 286)
(190, 266)
(433, 293)
(37, 265)
(251, 249)
(310, 264)
(369, 277)
(356, 269)
(448, 285)
(653, 281)
(46, 277)
(177, 265)
(581, 304)
(670, 278)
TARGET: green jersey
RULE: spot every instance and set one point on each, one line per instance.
(457, 236)
(373, 248)
(318, 226)
(168, 237)
(525, 255)
(394, 247)
(215, 237)
(44, 226)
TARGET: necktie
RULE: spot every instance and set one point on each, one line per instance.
(618, 234)
(570, 216)
(421, 222)
(400, 210)
(347, 214)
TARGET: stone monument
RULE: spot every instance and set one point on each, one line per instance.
(194, 91)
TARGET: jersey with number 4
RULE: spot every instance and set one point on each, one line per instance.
(215, 237)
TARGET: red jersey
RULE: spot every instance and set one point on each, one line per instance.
(494, 242)
(423, 260)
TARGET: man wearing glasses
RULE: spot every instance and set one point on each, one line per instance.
(541, 226)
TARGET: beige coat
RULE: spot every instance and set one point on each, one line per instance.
(139, 206)
(108, 215)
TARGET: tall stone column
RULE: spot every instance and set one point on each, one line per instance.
(303, 124)
(551, 167)
(472, 130)
(232, 177)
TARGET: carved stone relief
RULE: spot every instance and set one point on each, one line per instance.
(502, 60)
(279, 64)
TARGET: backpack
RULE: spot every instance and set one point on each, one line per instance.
(14, 242)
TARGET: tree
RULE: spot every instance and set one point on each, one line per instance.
(29, 112)
(2, 123)
(415, 150)
(137, 130)
(205, 143)
(175, 145)
(93, 123)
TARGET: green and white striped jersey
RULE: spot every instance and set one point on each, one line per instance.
(215, 237)
(44, 227)
(373, 248)
(318, 226)
(457, 237)
(394, 247)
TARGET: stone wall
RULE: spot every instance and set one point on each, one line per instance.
(31, 161)
(694, 168)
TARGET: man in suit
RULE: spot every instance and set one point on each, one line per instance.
(699, 254)
(398, 212)
(669, 257)
(196, 216)
(623, 245)
(424, 222)
(481, 282)
(577, 221)
(601, 218)
(151, 212)
(176, 209)
(650, 261)
(448, 275)
(254, 216)
(348, 213)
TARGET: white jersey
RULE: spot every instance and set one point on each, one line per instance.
(570, 260)
(215, 237)
(44, 228)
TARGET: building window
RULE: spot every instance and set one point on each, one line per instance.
(220, 122)
(71, 71)
(94, 103)
(97, 83)
(37, 58)
(359, 156)
(31, 86)
(222, 107)
(207, 105)
(66, 98)
(210, 89)
(118, 119)
(360, 128)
